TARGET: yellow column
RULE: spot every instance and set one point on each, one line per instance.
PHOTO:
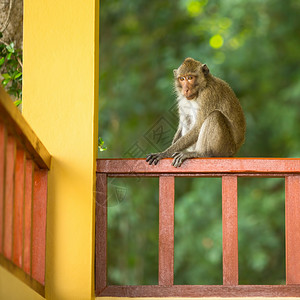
(60, 103)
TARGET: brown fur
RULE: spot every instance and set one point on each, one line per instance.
(218, 127)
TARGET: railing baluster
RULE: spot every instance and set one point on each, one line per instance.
(39, 225)
(292, 208)
(2, 177)
(19, 208)
(100, 232)
(166, 230)
(9, 196)
(22, 208)
(28, 215)
(230, 230)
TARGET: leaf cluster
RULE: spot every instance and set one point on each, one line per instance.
(101, 146)
(11, 69)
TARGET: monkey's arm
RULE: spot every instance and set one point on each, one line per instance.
(177, 135)
(182, 143)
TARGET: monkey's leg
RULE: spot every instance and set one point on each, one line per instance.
(215, 139)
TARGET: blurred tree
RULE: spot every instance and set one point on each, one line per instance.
(254, 46)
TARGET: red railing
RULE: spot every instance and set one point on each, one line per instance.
(229, 169)
(24, 164)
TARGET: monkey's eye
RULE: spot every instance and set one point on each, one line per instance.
(190, 77)
(181, 78)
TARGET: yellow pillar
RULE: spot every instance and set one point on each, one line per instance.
(60, 103)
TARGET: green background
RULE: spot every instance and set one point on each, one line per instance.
(254, 46)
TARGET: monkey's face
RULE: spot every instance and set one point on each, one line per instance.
(188, 86)
(190, 78)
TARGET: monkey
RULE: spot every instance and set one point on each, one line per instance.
(211, 119)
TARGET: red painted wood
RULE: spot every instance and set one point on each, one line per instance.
(9, 196)
(2, 180)
(101, 233)
(292, 202)
(39, 225)
(202, 291)
(28, 215)
(166, 231)
(229, 169)
(230, 230)
(19, 209)
(210, 166)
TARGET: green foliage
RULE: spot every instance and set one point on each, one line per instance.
(11, 69)
(132, 231)
(198, 231)
(254, 46)
(101, 146)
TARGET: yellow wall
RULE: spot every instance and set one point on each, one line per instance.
(60, 103)
(11, 288)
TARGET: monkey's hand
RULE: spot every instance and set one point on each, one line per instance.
(154, 158)
(179, 158)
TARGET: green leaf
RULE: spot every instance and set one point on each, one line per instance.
(18, 75)
(5, 82)
(2, 61)
(6, 76)
(8, 56)
(17, 102)
(10, 48)
(100, 144)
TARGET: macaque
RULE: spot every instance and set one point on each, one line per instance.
(211, 120)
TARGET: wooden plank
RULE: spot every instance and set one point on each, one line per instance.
(101, 233)
(28, 216)
(230, 230)
(211, 166)
(18, 127)
(196, 174)
(166, 231)
(9, 196)
(202, 291)
(2, 180)
(292, 208)
(19, 209)
(39, 225)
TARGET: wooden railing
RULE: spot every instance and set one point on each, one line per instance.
(24, 164)
(229, 169)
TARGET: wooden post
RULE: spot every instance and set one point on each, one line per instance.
(39, 225)
(230, 230)
(292, 209)
(28, 215)
(2, 180)
(166, 231)
(101, 233)
(9, 196)
(19, 209)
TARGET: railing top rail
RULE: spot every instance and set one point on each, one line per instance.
(201, 167)
(18, 127)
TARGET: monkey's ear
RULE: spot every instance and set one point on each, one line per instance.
(175, 72)
(205, 69)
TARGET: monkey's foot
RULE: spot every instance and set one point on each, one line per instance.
(154, 158)
(179, 158)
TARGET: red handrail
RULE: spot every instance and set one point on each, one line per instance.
(24, 165)
(229, 169)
